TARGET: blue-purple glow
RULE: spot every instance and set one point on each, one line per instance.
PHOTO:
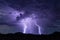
(28, 22)
(39, 28)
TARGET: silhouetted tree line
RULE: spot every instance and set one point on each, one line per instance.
(21, 36)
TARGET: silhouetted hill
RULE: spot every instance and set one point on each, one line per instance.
(21, 36)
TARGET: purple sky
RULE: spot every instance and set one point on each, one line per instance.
(45, 12)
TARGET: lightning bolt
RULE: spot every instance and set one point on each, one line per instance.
(28, 22)
(25, 27)
(39, 28)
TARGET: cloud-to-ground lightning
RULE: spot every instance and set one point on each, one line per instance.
(28, 22)
(25, 27)
(39, 28)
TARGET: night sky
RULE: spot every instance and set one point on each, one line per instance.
(15, 15)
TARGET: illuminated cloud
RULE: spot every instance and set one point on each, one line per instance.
(28, 24)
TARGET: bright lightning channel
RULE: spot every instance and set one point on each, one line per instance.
(25, 27)
(26, 22)
(39, 29)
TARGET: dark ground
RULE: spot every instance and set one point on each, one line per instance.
(21, 36)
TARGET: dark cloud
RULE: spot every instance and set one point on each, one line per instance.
(48, 12)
